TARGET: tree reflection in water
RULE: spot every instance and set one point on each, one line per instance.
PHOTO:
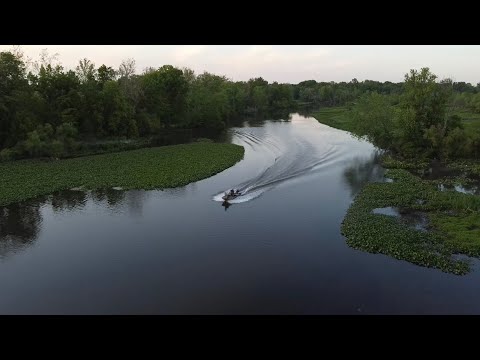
(68, 200)
(134, 200)
(363, 170)
(19, 226)
(114, 198)
(21, 223)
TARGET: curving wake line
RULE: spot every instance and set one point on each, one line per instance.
(295, 153)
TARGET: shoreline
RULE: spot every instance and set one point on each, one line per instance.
(446, 217)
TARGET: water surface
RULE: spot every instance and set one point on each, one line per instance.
(275, 250)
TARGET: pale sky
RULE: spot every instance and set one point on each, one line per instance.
(283, 63)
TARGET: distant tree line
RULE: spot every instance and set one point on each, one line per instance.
(46, 110)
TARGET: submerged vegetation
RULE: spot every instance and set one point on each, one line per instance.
(152, 168)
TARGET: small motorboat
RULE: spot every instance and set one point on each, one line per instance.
(230, 196)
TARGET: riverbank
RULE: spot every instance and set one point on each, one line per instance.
(149, 168)
(339, 118)
(419, 216)
(336, 117)
(92, 146)
(424, 213)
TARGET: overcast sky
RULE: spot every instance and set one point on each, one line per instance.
(284, 63)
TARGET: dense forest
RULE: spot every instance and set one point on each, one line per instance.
(47, 110)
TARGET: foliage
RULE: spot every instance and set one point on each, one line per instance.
(423, 123)
(106, 103)
(154, 168)
(453, 217)
(101, 103)
(373, 118)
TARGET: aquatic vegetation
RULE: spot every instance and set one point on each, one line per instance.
(457, 180)
(391, 162)
(151, 168)
(454, 223)
(463, 231)
(470, 167)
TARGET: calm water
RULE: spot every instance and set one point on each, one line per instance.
(276, 250)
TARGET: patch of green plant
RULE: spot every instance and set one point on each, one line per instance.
(462, 231)
(389, 235)
(337, 117)
(150, 168)
(408, 186)
(391, 162)
(469, 167)
(452, 181)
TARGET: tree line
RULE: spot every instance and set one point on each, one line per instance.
(47, 110)
(421, 122)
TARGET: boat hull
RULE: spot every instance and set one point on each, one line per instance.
(229, 197)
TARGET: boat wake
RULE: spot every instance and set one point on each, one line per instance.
(289, 156)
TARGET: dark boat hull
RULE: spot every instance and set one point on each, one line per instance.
(229, 197)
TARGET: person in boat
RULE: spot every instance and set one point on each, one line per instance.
(232, 193)
(237, 192)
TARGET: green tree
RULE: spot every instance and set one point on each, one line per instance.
(208, 101)
(105, 74)
(130, 84)
(15, 119)
(117, 112)
(456, 144)
(422, 105)
(164, 94)
(373, 118)
(86, 70)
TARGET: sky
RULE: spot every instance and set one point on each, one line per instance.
(283, 63)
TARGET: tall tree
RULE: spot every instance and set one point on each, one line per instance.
(423, 104)
(85, 70)
(129, 82)
(105, 74)
(13, 91)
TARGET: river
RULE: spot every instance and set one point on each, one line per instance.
(275, 250)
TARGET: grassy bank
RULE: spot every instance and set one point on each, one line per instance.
(337, 117)
(151, 168)
(470, 120)
(453, 220)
